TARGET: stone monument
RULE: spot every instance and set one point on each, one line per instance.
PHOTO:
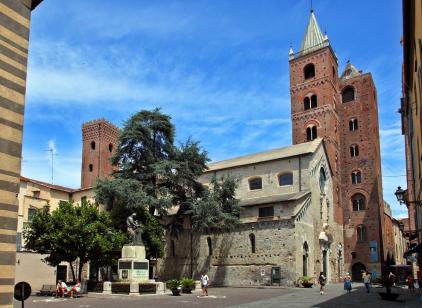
(132, 266)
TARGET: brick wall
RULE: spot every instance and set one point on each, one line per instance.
(99, 142)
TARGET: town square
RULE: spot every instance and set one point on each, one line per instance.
(212, 153)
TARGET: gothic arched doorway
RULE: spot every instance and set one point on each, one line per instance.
(357, 269)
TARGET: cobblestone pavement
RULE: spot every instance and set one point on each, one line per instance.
(238, 297)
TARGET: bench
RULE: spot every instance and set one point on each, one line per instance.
(47, 290)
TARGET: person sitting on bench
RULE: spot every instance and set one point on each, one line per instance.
(61, 288)
(76, 288)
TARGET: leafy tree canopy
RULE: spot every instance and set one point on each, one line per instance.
(154, 175)
(71, 232)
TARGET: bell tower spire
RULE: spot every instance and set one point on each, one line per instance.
(313, 38)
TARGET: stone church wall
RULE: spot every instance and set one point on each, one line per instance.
(232, 261)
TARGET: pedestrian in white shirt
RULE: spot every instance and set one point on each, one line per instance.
(204, 284)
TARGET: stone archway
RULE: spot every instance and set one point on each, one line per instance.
(357, 269)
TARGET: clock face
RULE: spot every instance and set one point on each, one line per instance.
(322, 179)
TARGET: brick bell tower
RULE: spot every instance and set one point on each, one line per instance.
(361, 175)
(343, 111)
(99, 141)
(315, 99)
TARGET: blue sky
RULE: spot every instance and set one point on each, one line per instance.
(219, 68)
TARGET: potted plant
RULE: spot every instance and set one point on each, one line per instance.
(388, 283)
(187, 285)
(174, 286)
(306, 281)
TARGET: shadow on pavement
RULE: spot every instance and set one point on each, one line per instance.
(360, 298)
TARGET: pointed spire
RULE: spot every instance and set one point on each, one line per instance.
(350, 71)
(313, 39)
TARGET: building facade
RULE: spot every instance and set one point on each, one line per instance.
(410, 110)
(343, 111)
(14, 44)
(287, 223)
(33, 196)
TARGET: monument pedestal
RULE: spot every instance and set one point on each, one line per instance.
(132, 266)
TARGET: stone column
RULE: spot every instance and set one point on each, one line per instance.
(14, 43)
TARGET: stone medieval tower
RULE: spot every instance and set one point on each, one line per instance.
(99, 141)
(343, 111)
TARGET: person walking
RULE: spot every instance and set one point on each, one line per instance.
(322, 281)
(348, 283)
(204, 284)
(367, 281)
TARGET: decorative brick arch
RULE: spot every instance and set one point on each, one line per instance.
(311, 122)
(358, 191)
(363, 192)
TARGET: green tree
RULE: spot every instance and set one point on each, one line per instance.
(74, 232)
(154, 174)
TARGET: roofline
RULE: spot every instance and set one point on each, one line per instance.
(51, 186)
(300, 55)
(305, 153)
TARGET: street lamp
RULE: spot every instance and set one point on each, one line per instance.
(401, 227)
(400, 195)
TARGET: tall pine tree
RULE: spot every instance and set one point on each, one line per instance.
(153, 175)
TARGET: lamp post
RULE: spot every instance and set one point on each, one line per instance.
(401, 196)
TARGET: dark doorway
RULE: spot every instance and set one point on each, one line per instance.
(305, 259)
(324, 262)
(357, 269)
(93, 272)
(275, 275)
(61, 273)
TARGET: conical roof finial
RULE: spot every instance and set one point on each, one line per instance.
(313, 39)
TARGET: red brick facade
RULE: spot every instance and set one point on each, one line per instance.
(342, 125)
(99, 141)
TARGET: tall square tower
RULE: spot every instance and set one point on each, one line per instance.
(99, 142)
(343, 111)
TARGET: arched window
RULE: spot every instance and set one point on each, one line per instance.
(356, 177)
(285, 179)
(361, 232)
(309, 71)
(255, 183)
(252, 241)
(306, 103)
(313, 101)
(348, 94)
(353, 125)
(91, 167)
(311, 133)
(209, 242)
(309, 103)
(322, 179)
(110, 148)
(92, 145)
(305, 258)
(354, 150)
(172, 248)
(358, 202)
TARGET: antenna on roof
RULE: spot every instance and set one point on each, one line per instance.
(52, 152)
(312, 6)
